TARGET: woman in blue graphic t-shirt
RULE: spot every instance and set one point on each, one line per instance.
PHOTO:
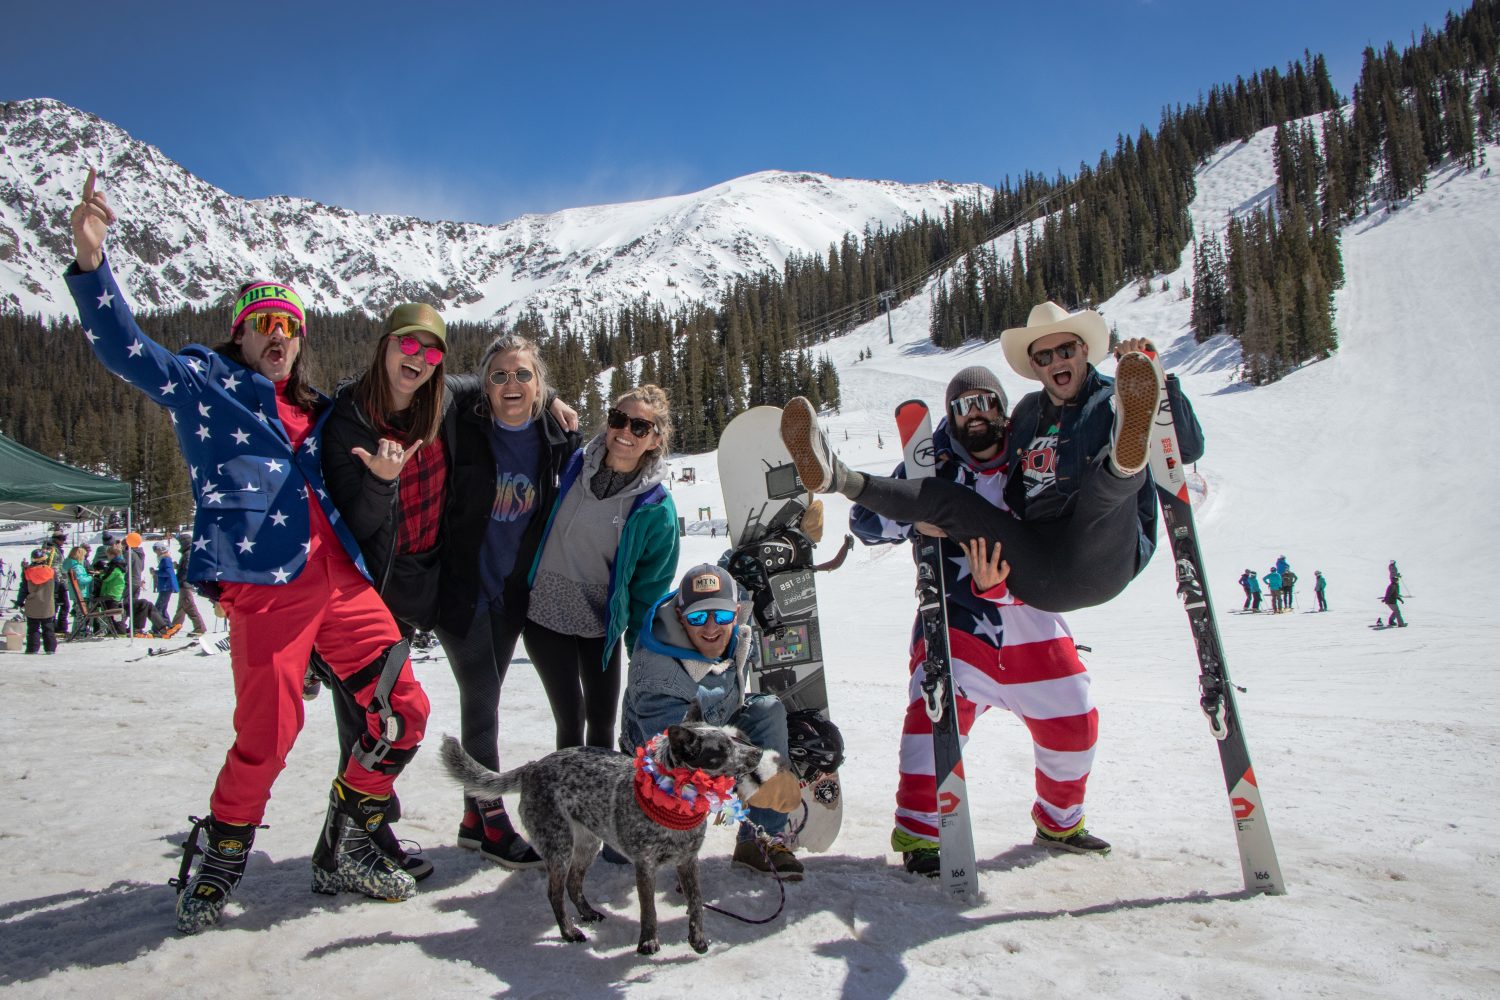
(507, 453)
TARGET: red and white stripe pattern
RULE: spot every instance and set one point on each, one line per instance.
(1035, 674)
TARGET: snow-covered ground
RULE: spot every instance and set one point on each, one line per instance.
(1374, 750)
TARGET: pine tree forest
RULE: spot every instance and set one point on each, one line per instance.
(1268, 280)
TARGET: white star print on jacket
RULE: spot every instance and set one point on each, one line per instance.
(253, 521)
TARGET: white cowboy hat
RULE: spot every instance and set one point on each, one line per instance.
(1049, 317)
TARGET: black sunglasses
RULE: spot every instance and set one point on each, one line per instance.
(1065, 351)
(640, 428)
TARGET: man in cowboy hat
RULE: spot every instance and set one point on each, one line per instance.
(1085, 521)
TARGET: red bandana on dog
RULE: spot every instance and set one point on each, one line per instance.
(682, 797)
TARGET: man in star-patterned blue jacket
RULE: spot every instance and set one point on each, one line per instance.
(274, 551)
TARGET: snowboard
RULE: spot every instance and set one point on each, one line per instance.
(1258, 862)
(213, 642)
(772, 559)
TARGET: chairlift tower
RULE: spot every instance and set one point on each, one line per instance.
(885, 300)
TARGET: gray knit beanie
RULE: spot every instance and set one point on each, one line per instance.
(976, 377)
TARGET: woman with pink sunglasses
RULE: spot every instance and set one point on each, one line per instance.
(389, 459)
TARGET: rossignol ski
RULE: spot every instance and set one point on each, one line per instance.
(1216, 693)
(960, 873)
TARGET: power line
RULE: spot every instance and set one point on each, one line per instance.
(841, 317)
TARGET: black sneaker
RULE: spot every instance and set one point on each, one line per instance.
(510, 851)
(1080, 841)
(925, 861)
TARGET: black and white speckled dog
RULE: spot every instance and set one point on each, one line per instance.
(574, 798)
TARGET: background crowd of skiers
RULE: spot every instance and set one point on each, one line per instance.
(1280, 581)
(88, 593)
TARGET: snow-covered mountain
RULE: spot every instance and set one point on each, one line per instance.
(1372, 748)
(181, 240)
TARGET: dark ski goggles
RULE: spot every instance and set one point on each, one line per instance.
(962, 406)
(522, 375)
(411, 347)
(639, 427)
(1065, 351)
(700, 618)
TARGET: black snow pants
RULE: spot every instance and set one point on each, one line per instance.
(1077, 561)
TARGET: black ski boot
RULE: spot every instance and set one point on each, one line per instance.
(224, 851)
(347, 858)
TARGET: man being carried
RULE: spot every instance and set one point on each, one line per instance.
(1078, 483)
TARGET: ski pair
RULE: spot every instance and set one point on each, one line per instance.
(1258, 862)
(959, 872)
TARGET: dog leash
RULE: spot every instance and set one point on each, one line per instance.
(780, 885)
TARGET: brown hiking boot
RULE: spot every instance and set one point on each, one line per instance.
(769, 857)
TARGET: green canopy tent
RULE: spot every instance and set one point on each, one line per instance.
(33, 487)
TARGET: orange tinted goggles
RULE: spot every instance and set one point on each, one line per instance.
(267, 322)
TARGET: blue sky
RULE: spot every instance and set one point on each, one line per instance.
(483, 112)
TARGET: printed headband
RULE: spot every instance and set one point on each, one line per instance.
(265, 295)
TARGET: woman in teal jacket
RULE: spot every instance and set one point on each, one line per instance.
(76, 566)
(608, 553)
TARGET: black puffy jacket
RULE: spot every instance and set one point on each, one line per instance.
(471, 497)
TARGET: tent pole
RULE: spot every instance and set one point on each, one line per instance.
(129, 583)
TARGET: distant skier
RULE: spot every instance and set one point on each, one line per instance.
(1247, 578)
(1393, 600)
(166, 579)
(1319, 586)
(1288, 581)
(38, 584)
(1254, 585)
(1273, 584)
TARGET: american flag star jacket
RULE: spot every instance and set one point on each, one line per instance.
(253, 522)
(996, 617)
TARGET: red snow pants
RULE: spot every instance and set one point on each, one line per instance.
(273, 630)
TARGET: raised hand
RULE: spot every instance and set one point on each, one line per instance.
(1142, 344)
(985, 564)
(91, 220)
(389, 458)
